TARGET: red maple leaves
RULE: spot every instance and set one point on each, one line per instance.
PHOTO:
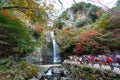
(85, 38)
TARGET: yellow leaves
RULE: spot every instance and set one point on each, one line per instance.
(102, 24)
(4, 12)
(18, 2)
(31, 10)
(23, 17)
(65, 36)
(66, 32)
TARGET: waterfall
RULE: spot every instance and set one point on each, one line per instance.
(49, 72)
(55, 49)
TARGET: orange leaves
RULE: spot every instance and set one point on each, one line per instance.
(38, 28)
(78, 46)
(87, 34)
(85, 38)
(4, 12)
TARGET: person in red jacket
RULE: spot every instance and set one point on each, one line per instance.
(110, 61)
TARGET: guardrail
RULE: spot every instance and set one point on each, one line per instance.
(92, 63)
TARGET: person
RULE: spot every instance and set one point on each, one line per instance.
(110, 61)
(104, 59)
(118, 59)
(114, 59)
(91, 59)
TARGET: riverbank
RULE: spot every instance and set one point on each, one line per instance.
(65, 71)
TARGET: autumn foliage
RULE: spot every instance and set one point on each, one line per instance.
(15, 37)
(38, 28)
(85, 38)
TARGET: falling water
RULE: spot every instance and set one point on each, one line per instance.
(55, 49)
(49, 72)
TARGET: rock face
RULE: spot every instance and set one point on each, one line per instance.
(47, 53)
(58, 70)
(47, 57)
(39, 76)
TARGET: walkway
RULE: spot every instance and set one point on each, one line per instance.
(96, 65)
(50, 65)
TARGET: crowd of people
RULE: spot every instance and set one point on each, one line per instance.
(85, 59)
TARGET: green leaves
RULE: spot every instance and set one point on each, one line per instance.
(59, 24)
(29, 8)
(15, 36)
(80, 6)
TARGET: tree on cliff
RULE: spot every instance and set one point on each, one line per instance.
(34, 12)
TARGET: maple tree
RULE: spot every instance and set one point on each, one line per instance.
(85, 38)
(65, 38)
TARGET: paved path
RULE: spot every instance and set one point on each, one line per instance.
(106, 67)
(50, 65)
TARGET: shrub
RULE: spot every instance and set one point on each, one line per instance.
(109, 39)
(29, 70)
(19, 71)
(59, 24)
(109, 20)
(86, 40)
(15, 36)
(81, 23)
(65, 38)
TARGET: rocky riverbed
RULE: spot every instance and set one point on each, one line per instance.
(67, 71)
(57, 73)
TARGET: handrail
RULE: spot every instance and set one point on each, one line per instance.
(87, 62)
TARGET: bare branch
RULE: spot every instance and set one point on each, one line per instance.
(14, 7)
(61, 3)
(20, 8)
(104, 5)
(74, 1)
(98, 1)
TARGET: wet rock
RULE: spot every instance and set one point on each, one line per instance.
(39, 76)
(64, 78)
(62, 73)
(65, 72)
(55, 79)
(33, 79)
(58, 70)
(43, 70)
